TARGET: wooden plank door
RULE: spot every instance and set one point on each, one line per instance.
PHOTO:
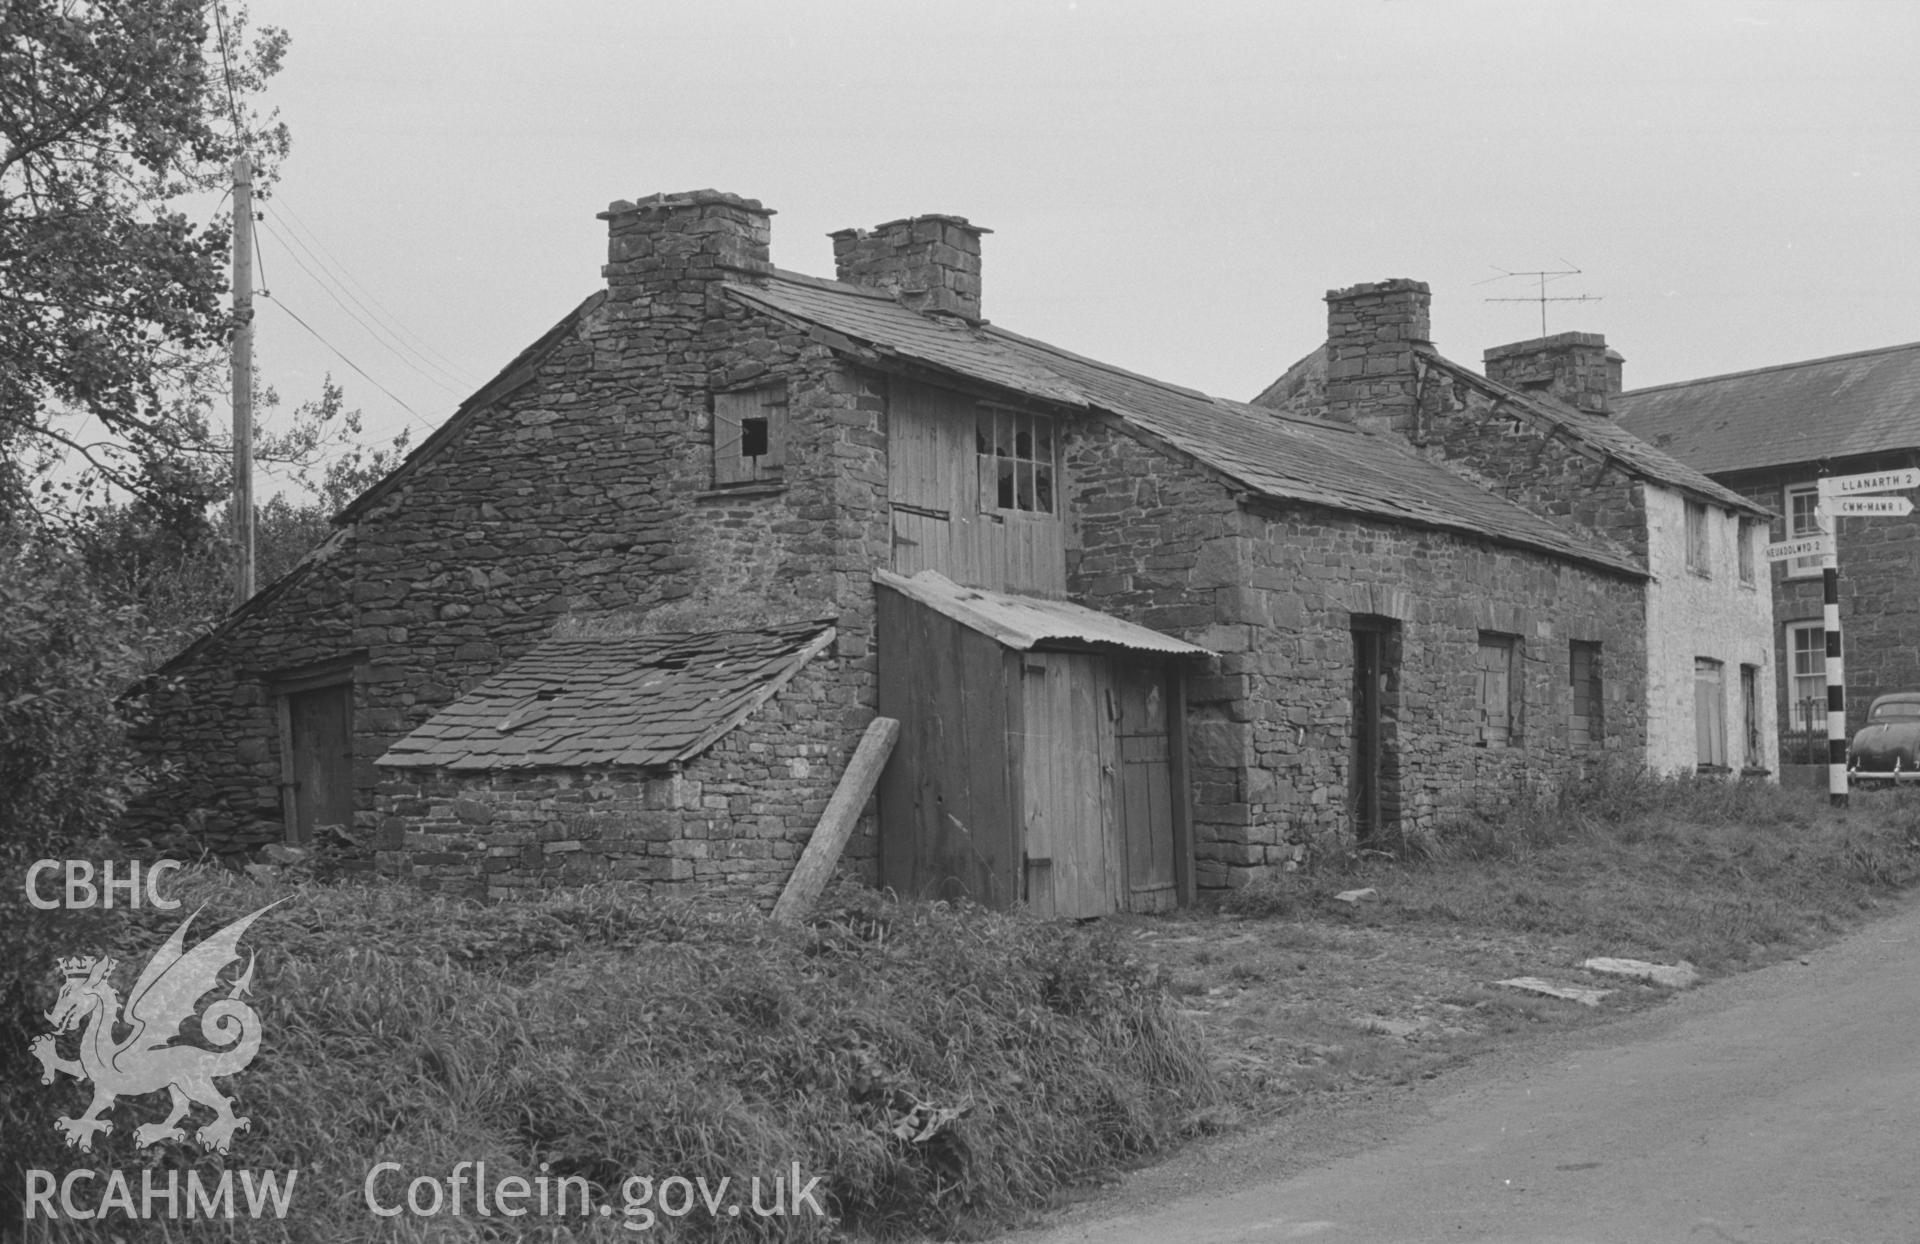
(1072, 866)
(1146, 787)
(320, 731)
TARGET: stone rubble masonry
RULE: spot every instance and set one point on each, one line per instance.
(733, 822)
(587, 489)
(1477, 434)
(930, 263)
(1577, 368)
(1372, 330)
(1275, 590)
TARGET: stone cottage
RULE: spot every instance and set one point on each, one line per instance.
(1234, 635)
(1770, 434)
(1537, 428)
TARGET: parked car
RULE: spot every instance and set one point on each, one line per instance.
(1887, 749)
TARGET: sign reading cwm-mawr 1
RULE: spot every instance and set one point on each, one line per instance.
(1866, 507)
(1872, 481)
(1810, 546)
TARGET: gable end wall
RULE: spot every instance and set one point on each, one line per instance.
(589, 489)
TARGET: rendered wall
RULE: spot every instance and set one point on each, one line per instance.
(1715, 615)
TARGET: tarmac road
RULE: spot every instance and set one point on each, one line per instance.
(1779, 1107)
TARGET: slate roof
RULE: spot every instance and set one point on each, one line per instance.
(1273, 455)
(640, 700)
(1024, 623)
(1828, 408)
(1606, 435)
(1302, 389)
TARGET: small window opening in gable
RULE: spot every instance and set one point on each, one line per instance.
(1747, 571)
(749, 435)
(1016, 455)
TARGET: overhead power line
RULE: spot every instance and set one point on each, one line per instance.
(298, 226)
(384, 340)
(315, 333)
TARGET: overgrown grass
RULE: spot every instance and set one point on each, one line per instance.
(938, 1068)
(1719, 873)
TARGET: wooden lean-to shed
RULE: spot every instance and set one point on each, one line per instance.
(1042, 753)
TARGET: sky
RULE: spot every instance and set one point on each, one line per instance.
(1172, 187)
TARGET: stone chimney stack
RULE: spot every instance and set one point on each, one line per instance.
(1371, 334)
(930, 263)
(668, 253)
(1577, 368)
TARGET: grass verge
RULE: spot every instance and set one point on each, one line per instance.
(938, 1068)
(1300, 994)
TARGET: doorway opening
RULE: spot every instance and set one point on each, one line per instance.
(1374, 796)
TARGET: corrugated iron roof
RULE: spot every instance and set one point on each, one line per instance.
(1272, 454)
(1024, 623)
(639, 700)
(1822, 409)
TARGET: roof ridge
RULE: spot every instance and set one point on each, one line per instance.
(1049, 348)
(828, 283)
(1771, 367)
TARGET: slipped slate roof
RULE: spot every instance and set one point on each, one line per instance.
(1274, 455)
(1828, 408)
(1606, 435)
(1024, 623)
(1302, 389)
(631, 700)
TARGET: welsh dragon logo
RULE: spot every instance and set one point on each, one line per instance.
(146, 1060)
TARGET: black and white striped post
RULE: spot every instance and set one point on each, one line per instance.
(1849, 496)
(1836, 678)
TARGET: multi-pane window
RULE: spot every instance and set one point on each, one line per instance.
(1802, 521)
(1746, 551)
(1496, 668)
(1807, 668)
(1709, 714)
(1585, 726)
(1016, 457)
(749, 435)
(1699, 545)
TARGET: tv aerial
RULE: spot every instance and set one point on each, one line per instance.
(1542, 278)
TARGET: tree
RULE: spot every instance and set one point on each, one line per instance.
(111, 113)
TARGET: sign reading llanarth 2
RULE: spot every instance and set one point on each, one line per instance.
(1871, 481)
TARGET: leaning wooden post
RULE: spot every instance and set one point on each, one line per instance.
(830, 836)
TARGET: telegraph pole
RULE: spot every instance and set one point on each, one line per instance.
(243, 377)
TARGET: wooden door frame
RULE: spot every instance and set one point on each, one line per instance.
(336, 673)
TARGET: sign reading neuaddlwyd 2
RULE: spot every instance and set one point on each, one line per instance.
(132, 1050)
